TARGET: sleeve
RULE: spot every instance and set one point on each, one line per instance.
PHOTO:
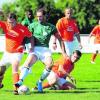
(24, 22)
(94, 31)
(59, 26)
(27, 32)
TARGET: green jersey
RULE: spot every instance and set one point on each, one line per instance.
(42, 32)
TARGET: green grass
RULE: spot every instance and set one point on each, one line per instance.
(86, 74)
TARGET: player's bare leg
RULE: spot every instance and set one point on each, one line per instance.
(2, 71)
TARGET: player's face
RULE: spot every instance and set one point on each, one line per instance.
(68, 13)
(29, 15)
(40, 16)
(74, 57)
(11, 22)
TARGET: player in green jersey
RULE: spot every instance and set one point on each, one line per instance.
(42, 32)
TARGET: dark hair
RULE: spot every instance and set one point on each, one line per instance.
(30, 11)
(78, 53)
(12, 15)
(41, 10)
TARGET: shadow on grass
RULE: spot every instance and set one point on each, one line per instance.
(78, 90)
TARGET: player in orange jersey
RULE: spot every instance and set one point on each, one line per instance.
(14, 36)
(69, 32)
(96, 34)
(60, 70)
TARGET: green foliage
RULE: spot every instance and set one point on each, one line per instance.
(86, 12)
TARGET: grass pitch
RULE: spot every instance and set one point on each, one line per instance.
(86, 74)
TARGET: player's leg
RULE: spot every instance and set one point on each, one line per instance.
(15, 61)
(31, 59)
(65, 84)
(3, 66)
(47, 60)
(94, 57)
(2, 71)
(52, 78)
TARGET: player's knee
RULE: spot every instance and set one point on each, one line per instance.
(2, 70)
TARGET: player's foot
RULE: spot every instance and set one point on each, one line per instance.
(1, 86)
(39, 86)
(15, 92)
(92, 62)
(35, 88)
(19, 83)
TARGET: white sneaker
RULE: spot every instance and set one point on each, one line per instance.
(92, 62)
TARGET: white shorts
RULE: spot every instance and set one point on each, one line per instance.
(53, 78)
(95, 47)
(42, 53)
(9, 58)
(70, 47)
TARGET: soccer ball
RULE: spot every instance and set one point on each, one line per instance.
(23, 90)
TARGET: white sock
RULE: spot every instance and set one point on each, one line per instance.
(45, 73)
(24, 73)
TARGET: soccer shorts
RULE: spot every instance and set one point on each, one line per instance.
(70, 47)
(42, 53)
(54, 78)
(9, 58)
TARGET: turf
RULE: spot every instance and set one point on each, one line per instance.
(86, 74)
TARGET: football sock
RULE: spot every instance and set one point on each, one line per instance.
(24, 73)
(15, 79)
(45, 73)
(94, 57)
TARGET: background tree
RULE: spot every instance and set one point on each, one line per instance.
(86, 12)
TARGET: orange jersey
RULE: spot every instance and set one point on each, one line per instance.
(14, 37)
(96, 32)
(66, 64)
(67, 28)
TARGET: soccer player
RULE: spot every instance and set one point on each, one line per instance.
(42, 32)
(14, 35)
(96, 34)
(68, 30)
(62, 69)
(26, 22)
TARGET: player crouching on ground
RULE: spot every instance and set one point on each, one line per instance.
(60, 70)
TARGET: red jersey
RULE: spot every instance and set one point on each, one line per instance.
(67, 28)
(66, 64)
(14, 37)
(96, 32)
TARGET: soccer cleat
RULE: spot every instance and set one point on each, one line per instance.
(92, 62)
(15, 92)
(39, 87)
(19, 83)
(1, 86)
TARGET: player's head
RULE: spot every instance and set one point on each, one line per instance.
(40, 15)
(11, 19)
(75, 56)
(29, 14)
(68, 13)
